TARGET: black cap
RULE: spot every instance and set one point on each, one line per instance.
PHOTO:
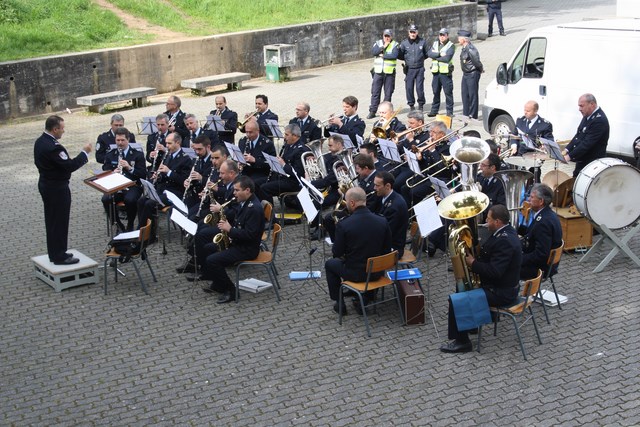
(413, 27)
(464, 33)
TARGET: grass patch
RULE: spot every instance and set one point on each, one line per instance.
(31, 28)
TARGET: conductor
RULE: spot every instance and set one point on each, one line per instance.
(55, 168)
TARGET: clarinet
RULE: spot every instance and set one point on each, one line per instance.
(205, 194)
(164, 162)
(189, 180)
(119, 168)
(155, 165)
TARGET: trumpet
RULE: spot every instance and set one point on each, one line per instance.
(380, 132)
(322, 123)
(246, 120)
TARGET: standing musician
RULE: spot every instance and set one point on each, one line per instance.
(211, 202)
(107, 139)
(195, 131)
(369, 149)
(415, 120)
(533, 126)
(244, 230)
(176, 119)
(199, 175)
(387, 121)
(131, 164)
(170, 176)
(55, 168)
(360, 236)
(290, 159)
(253, 144)
(498, 266)
(392, 206)
(229, 119)
(349, 123)
(156, 144)
(543, 234)
(309, 130)
(592, 136)
(262, 114)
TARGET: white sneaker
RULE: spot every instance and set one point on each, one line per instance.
(328, 241)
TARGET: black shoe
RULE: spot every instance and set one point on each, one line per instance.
(315, 235)
(187, 267)
(473, 331)
(226, 297)
(356, 306)
(450, 268)
(371, 115)
(456, 346)
(432, 114)
(336, 308)
(421, 107)
(489, 35)
(67, 261)
(411, 108)
(201, 278)
(68, 255)
(349, 293)
(431, 249)
(503, 34)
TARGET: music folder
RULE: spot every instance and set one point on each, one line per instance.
(235, 153)
(389, 150)
(150, 192)
(109, 182)
(412, 161)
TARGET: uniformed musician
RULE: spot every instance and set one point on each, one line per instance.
(55, 168)
(107, 139)
(252, 145)
(309, 129)
(229, 119)
(176, 119)
(348, 124)
(131, 164)
(392, 206)
(531, 125)
(262, 114)
(195, 131)
(415, 121)
(199, 175)
(387, 121)
(156, 145)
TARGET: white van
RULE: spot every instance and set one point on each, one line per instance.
(557, 64)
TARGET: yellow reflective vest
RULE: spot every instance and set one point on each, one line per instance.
(439, 66)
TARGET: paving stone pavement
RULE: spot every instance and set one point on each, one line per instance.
(175, 357)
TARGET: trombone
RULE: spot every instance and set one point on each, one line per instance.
(448, 162)
(380, 132)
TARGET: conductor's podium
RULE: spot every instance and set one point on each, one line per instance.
(61, 277)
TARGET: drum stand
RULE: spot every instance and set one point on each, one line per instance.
(619, 244)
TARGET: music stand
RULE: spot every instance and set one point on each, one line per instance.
(235, 153)
(273, 129)
(274, 164)
(412, 161)
(215, 123)
(389, 150)
(147, 126)
(109, 182)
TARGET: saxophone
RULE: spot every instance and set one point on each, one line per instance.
(222, 238)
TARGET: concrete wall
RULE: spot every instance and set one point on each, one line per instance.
(49, 84)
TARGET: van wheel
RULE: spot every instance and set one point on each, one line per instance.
(501, 127)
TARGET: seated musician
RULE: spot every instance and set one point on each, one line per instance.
(349, 123)
(107, 139)
(365, 175)
(156, 142)
(170, 176)
(175, 117)
(543, 234)
(430, 156)
(387, 121)
(392, 206)
(244, 231)
(309, 129)
(228, 117)
(199, 175)
(410, 140)
(290, 159)
(262, 114)
(369, 149)
(219, 155)
(359, 236)
(217, 195)
(498, 266)
(253, 144)
(490, 185)
(195, 131)
(531, 125)
(131, 164)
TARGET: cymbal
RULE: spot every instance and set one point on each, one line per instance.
(523, 162)
(536, 155)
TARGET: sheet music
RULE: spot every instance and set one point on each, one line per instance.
(111, 181)
(314, 190)
(553, 149)
(128, 235)
(184, 222)
(528, 142)
(274, 128)
(176, 202)
(308, 207)
(274, 164)
(359, 140)
(235, 153)
(440, 187)
(412, 161)
(190, 152)
(427, 216)
(215, 123)
(346, 140)
(389, 150)
(150, 192)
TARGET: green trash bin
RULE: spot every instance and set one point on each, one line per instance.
(273, 73)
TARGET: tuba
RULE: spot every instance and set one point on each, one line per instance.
(514, 182)
(463, 208)
(469, 152)
(313, 161)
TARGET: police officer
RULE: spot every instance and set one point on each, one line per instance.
(55, 168)
(386, 53)
(441, 53)
(413, 50)
(471, 69)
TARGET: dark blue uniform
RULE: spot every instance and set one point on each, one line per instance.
(212, 135)
(55, 168)
(414, 53)
(358, 237)
(292, 155)
(179, 126)
(539, 128)
(104, 143)
(259, 170)
(152, 140)
(351, 126)
(471, 68)
(394, 209)
(204, 167)
(544, 234)
(494, 10)
(309, 130)
(590, 141)
(230, 119)
(262, 123)
(442, 81)
(129, 195)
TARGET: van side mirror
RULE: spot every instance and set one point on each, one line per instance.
(501, 74)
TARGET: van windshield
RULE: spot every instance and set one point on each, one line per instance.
(529, 62)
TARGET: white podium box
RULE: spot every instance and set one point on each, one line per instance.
(61, 277)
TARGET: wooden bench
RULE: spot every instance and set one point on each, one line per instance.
(137, 95)
(199, 85)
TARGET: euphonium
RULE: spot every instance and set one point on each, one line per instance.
(222, 238)
(469, 152)
(463, 208)
(514, 182)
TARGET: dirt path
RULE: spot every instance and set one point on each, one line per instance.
(139, 24)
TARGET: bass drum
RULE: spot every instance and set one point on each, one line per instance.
(606, 192)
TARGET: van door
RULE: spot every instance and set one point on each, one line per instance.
(525, 75)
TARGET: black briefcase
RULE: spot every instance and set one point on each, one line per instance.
(412, 302)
